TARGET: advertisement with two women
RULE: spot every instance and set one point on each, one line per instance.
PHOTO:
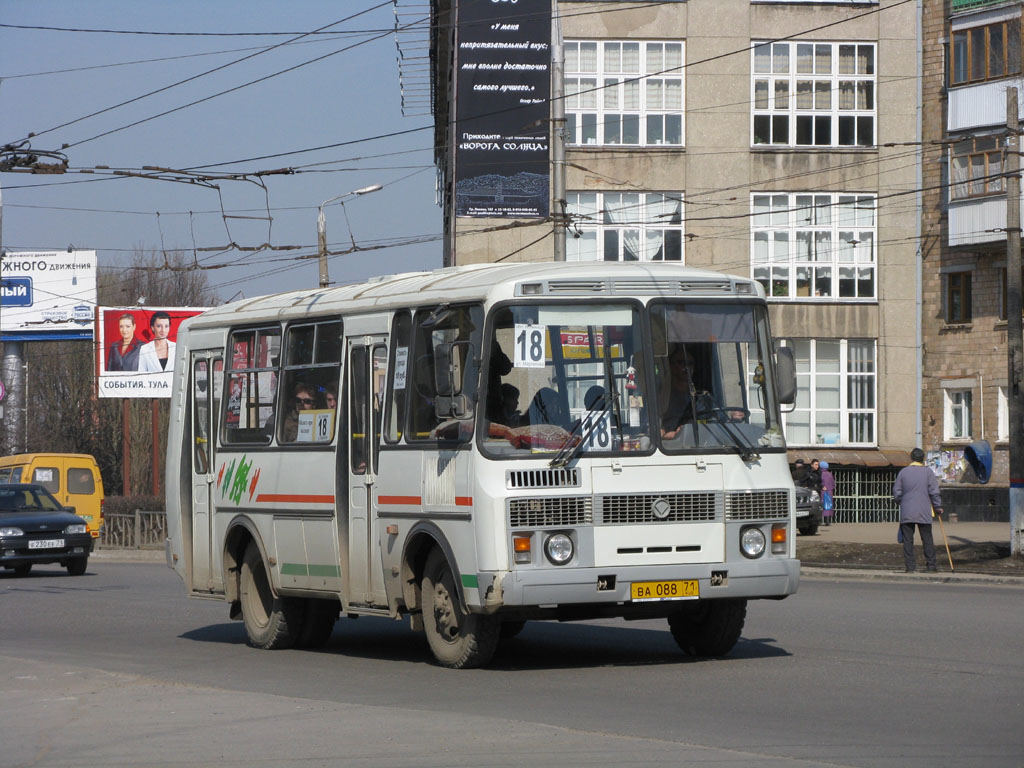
(135, 349)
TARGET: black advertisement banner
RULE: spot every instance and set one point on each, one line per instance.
(504, 88)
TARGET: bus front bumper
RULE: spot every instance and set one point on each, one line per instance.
(547, 588)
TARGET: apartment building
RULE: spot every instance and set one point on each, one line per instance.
(971, 55)
(776, 140)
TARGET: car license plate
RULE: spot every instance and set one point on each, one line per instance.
(46, 544)
(648, 591)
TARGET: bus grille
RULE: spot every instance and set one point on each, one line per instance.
(542, 478)
(757, 505)
(682, 508)
(552, 511)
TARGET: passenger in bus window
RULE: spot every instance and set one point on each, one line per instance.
(331, 396)
(510, 413)
(546, 408)
(677, 408)
(303, 400)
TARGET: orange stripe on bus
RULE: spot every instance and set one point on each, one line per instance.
(400, 500)
(463, 501)
(296, 498)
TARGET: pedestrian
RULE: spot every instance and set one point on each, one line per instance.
(799, 472)
(828, 494)
(917, 492)
(812, 477)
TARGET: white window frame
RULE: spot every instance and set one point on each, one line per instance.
(954, 401)
(813, 106)
(1003, 417)
(852, 369)
(814, 246)
(605, 89)
(639, 223)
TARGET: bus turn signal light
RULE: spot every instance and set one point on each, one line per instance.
(778, 539)
(521, 546)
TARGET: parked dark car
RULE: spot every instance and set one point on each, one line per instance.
(808, 511)
(36, 529)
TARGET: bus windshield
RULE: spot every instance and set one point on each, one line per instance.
(567, 379)
(713, 377)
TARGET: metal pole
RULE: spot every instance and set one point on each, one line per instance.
(126, 448)
(321, 242)
(558, 132)
(13, 430)
(156, 448)
(1015, 345)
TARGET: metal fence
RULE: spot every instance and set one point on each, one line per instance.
(136, 530)
(865, 496)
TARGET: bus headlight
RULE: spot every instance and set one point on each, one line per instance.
(558, 548)
(752, 542)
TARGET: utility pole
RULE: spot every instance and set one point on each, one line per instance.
(12, 373)
(558, 132)
(1015, 345)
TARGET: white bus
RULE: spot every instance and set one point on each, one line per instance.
(482, 446)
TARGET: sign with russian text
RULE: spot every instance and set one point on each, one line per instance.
(503, 92)
(135, 349)
(47, 295)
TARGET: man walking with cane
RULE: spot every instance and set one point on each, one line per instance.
(916, 490)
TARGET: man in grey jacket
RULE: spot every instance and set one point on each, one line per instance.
(916, 490)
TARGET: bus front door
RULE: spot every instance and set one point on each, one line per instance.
(207, 371)
(366, 372)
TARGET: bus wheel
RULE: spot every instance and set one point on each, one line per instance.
(711, 628)
(317, 623)
(458, 640)
(270, 622)
(510, 629)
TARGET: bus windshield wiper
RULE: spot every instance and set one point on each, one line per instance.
(591, 418)
(746, 449)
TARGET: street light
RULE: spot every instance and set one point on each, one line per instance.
(321, 228)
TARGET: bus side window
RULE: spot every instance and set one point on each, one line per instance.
(5, 475)
(398, 377)
(440, 331)
(253, 357)
(309, 403)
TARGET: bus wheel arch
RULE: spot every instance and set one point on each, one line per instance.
(240, 533)
(423, 538)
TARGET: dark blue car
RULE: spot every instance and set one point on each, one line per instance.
(35, 528)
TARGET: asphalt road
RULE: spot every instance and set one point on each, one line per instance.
(118, 668)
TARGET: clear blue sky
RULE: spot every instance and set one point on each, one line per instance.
(350, 95)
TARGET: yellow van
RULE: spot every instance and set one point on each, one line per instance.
(73, 478)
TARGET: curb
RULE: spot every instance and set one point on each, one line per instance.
(870, 574)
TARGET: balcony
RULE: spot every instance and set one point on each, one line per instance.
(977, 221)
(984, 104)
(972, 5)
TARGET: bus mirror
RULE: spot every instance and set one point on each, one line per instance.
(455, 406)
(785, 371)
(448, 367)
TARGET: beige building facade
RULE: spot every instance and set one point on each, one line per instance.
(776, 140)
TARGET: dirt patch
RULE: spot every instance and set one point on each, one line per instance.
(971, 557)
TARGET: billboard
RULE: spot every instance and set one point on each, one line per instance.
(135, 349)
(47, 295)
(503, 92)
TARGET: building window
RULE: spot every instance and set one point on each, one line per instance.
(989, 52)
(1003, 413)
(976, 167)
(836, 401)
(624, 93)
(958, 421)
(814, 94)
(816, 247)
(624, 226)
(958, 297)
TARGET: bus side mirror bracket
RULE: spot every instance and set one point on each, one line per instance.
(785, 375)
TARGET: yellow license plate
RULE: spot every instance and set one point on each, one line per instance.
(648, 591)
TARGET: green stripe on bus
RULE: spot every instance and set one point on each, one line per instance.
(298, 569)
(469, 581)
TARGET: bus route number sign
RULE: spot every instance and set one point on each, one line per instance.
(529, 342)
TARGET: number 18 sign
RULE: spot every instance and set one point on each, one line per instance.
(529, 341)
